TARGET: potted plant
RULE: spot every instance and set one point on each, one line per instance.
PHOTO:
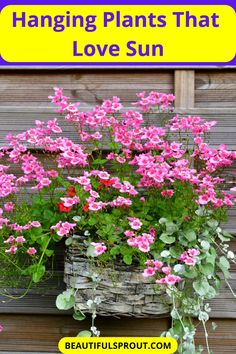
(140, 207)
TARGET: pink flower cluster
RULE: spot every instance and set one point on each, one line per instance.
(195, 124)
(164, 101)
(153, 161)
(15, 242)
(154, 266)
(63, 228)
(99, 248)
(189, 257)
(143, 241)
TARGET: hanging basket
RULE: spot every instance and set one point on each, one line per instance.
(122, 289)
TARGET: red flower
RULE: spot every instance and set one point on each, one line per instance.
(71, 191)
(86, 207)
(106, 183)
(63, 208)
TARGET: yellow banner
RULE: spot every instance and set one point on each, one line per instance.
(117, 33)
(124, 345)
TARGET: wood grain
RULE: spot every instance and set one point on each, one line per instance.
(19, 337)
(184, 89)
(215, 88)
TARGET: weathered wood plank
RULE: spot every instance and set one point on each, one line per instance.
(215, 89)
(87, 86)
(18, 336)
(48, 330)
(184, 89)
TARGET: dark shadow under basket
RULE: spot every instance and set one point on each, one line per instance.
(122, 289)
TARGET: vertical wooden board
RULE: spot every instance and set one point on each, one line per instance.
(184, 89)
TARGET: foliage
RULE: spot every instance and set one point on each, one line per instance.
(155, 199)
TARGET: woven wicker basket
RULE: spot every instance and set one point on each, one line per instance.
(123, 289)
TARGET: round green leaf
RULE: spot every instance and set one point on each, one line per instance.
(79, 316)
(84, 334)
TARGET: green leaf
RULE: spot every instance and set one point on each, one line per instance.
(190, 235)
(92, 221)
(217, 282)
(214, 326)
(49, 253)
(207, 269)
(76, 218)
(167, 239)
(205, 245)
(79, 316)
(227, 235)
(115, 250)
(176, 251)
(201, 287)
(163, 221)
(213, 223)
(90, 251)
(224, 265)
(211, 294)
(223, 238)
(127, 259)
(171, 227)
(211, 256)
(39, 273)
(99, 162)
(224, 262)
(84, 334)
(65, 301)
(69, 241)
(191, 273)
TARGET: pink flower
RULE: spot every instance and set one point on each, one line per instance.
(68, 202)
(166, 270)
(157, 264)
(45, 182)
(9, 206)
(120, 202)
(1, 328)
(135, 223)
(95, 206)
(190, 261)
(31, 251)
(83, 181)
(193, 252)
(167, 193)
(63, 228)
(171, 279)
(144, 247)
(104, 175)
(99, 248)
(20, 239)
(203, 199)
(53, 126)
(149, 272)
(10, 239)
(35, 224)
(129, 233)
(12, 249)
